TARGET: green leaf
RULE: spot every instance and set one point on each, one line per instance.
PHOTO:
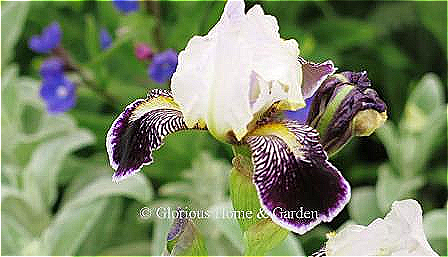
(14, 204)
(228, 226)
(263, 237)
(46, 162)
(106, 230)
(14, 235)
(70, 227)
(158, 243)
(431, 139)
(10, 107)
(133, 24)
(136, 187)
(388, 135)
(433, 17)
(92, 39)
(363, 205)
(139, 248)
(207, 181)
(390, 188)
(13, 16)
(290, 247)
(435, 224)
(426, 97)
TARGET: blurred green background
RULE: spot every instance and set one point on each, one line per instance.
(57, 193)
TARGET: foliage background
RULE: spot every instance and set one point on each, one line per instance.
(57, 194)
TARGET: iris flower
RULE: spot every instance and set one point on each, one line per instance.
(400, 233)
(236, 82)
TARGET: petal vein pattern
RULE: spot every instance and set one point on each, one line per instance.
(296, 184)
(139, 130)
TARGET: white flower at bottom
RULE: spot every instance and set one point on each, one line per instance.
(400, 233)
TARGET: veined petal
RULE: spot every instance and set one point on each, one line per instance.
(239, 69)
(296, 184)
(139, 130)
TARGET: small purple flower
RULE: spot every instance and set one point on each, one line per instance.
(58, 93)
(163, 66)
(105, 39)
(52, 68)
(143, 52)
(126, 6)
(301, 114)
(48, 40)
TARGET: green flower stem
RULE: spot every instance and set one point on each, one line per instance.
(86, 78)
(260, 234)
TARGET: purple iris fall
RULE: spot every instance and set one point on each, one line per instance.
(105, 39)
(48, 40)
(163, 66)
(57, 90)
(126, 6)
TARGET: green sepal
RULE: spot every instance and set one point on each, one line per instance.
(262, 237)
(334, 104)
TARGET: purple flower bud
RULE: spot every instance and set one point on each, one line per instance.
(345, 106)
(51, 68)
(163, 66)
(184, 239)
(59, 94)
(126, 6)
(105, 39)
(143, 52)
(48, 40)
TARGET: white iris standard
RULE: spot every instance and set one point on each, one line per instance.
(400, 233)
(238, 70)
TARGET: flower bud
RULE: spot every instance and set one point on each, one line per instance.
(345, 106)
(184, 238)
(143, 52)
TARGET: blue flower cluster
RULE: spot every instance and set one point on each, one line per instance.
(163, 66)
(58, 92)
(126, 6)
(48, 40)
(105, 39)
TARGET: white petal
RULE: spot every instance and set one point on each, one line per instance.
(238, 70)
(399, 233)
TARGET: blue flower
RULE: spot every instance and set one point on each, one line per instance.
(126, 6)
(48, 40)
(105, 39)
(163, 66)
(58, 93)
(52, 68)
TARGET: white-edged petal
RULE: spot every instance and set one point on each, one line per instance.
(400, 233)
(239, 69)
